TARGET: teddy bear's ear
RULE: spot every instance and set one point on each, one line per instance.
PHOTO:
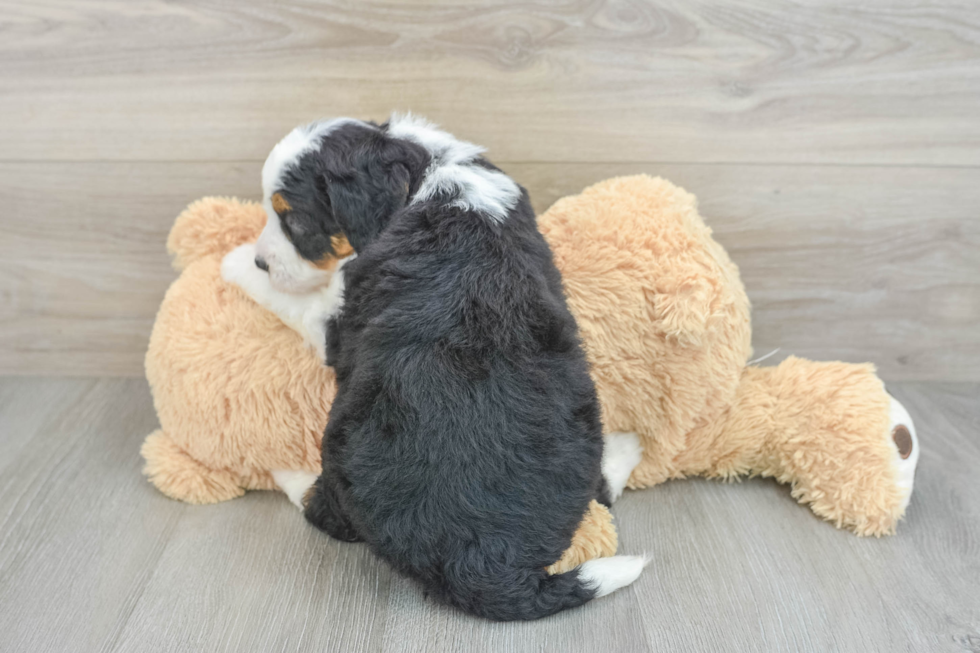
(213, 226)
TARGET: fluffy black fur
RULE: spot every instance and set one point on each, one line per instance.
(464, 443)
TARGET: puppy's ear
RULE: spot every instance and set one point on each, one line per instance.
(369, 191)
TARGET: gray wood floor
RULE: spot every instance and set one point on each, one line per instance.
(835, 151)
(92, 558)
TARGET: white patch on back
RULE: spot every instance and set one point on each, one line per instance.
(453, 170)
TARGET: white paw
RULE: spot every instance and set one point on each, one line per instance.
(905, 446)
(315, 335)
(239, 264)
(606, 575)
(294, 484)
(621, 454)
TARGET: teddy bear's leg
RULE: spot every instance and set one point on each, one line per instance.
(295, 483)
(595, 538)
(181, 477)
(829, 429)
(904, 444)
(621, 453)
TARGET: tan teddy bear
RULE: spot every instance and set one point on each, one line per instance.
(665, 321)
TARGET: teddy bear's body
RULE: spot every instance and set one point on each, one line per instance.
(665, 323)
(236, 391)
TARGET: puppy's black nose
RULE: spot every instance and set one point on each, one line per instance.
(261, 264)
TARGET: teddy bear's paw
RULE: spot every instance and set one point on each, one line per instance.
(621, 454)
(295, 483)
(905, 447)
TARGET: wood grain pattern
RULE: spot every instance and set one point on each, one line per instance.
(83, 264)
(79, 533)
(865, 263)
(578, 80)
(858, 264)
(93, 558)
(835, 147)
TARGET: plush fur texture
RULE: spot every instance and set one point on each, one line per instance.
(220, 367)
(665, 323)
(464, 443)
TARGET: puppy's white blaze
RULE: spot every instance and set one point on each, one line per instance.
(606, 575)
(294, 483)
(453, 171)
(294, 145)
(288, 271)
(621, 453)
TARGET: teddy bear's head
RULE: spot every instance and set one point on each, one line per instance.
(213, 226)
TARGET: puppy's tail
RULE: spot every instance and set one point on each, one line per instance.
(531, 595)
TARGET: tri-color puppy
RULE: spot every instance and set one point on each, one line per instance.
(464, 443)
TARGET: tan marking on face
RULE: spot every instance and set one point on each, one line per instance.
(340, 245)
(328, 262)
(279, 203)
(341, 249)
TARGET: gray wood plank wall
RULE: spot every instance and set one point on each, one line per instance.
(835, 147)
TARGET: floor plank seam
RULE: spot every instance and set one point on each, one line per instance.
(113, 641)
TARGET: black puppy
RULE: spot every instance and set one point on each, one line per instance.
(464, 443)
